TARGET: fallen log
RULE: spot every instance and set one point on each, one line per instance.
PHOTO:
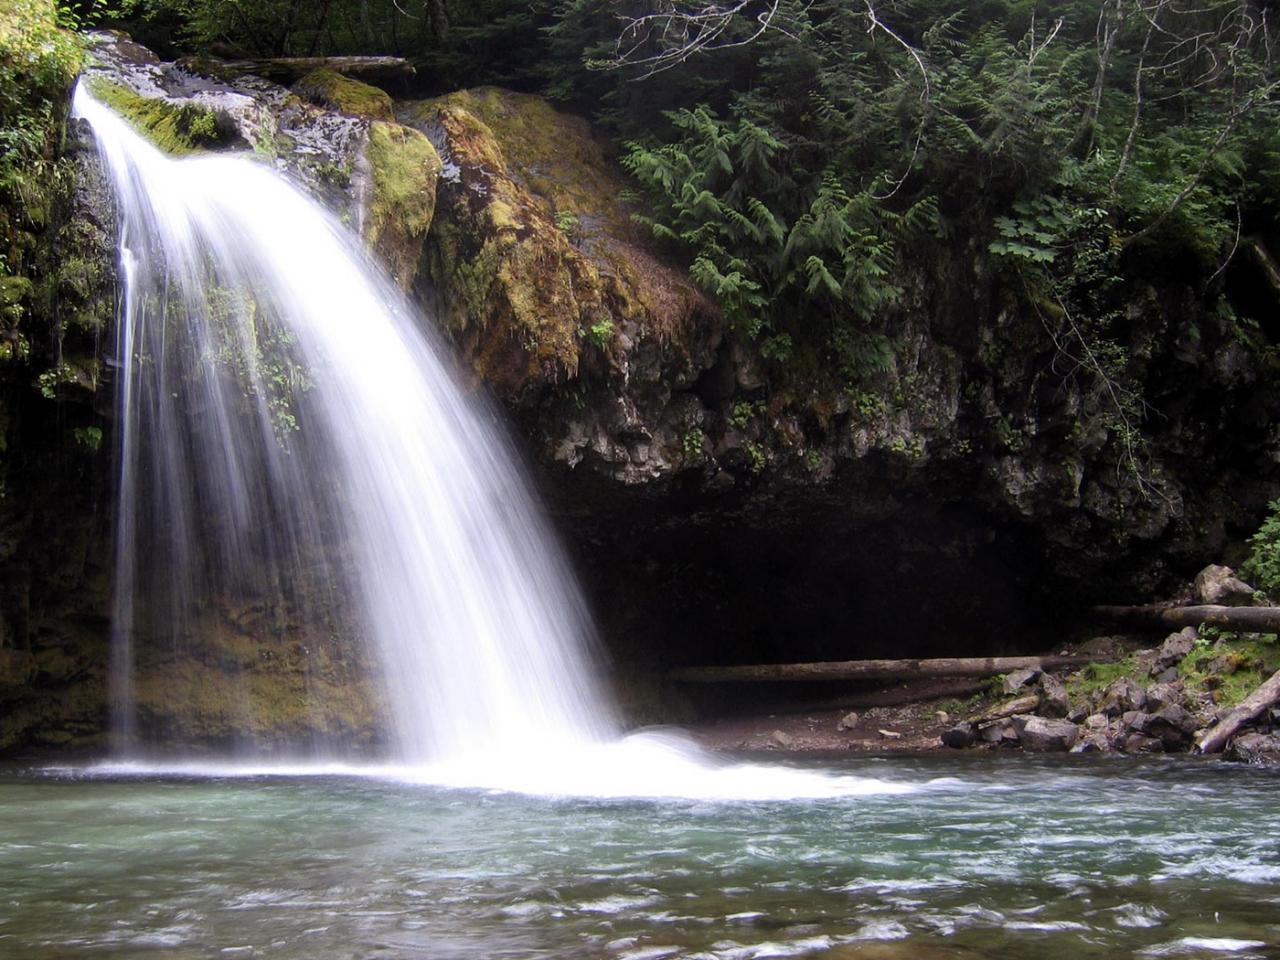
(1216, 737)
(288, 69)
(873, 669)
(1160, 617)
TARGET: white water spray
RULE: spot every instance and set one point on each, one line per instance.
(249, 462)
(285, 423)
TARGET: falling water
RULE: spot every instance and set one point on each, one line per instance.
(288, 432)
(278, 402)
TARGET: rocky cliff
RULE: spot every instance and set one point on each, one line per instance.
(971, 494)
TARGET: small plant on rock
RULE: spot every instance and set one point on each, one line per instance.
(1262, 568)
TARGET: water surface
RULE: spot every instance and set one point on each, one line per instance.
(957, 857)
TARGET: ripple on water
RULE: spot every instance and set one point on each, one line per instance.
(1199, 946)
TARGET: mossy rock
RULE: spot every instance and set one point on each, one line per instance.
(177, 129)
(330, 89)
(404, 172)
(255, 676)
(533, 255)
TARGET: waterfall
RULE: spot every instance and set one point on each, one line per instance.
(288, 431)
(290, 439)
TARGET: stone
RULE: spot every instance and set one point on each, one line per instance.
(941, 716)
(1095, 722)
(1093, 742)
(782, 740)
(1175, 647)
(1165, 695)
(848, 721)
(890, 734)
(990, 733)
(1255, 747)
(1225, 664)
(1144, 661)
(960, 736)
(1176, 718)
(1009, 708)
(1054, 702)
(1218, 585)
(1167, 675)
(1046, 735)
(1015, 681)
(1122, 696)
(1135, 720)
(1139, 743)
(999, 734)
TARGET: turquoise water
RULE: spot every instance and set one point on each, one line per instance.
(982, 857)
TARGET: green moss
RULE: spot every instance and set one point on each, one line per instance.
(38, 64)
(553, 153)
(405, 170)
(1091, 680)
(326, 88)
(1230, 668)
(178, 129)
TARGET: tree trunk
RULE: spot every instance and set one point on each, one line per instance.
(872, 669)
(1157, 617)
(288, 69)
(1217, 736)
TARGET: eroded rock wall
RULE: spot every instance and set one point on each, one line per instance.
(972, 497)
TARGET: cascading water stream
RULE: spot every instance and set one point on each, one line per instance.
(287, 431)
(278, 400)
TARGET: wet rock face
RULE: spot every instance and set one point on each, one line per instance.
(971, 498)
(1262, 749)
(568, 314)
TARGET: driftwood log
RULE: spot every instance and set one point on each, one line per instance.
(288, 69)
(873, 669)
(1216, 737)
(1159, 617)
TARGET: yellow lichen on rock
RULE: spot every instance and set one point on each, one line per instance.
(330, 89)
(404, 172)
(515, 289)
(533, 254)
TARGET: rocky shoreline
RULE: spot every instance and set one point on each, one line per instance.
(1135, 699)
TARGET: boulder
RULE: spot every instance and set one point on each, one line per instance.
(1054, 701)
(1095, 722)
(1015, 681)
(557, 299)
(1043, 734)
(1255, 747)
(847, 722)
(1165, 695)
(1174, 726)
(782, 740)
(1135, 721)
(960, 736)
(1140, 743)
(330, 89)
(1093, 742)
(1122, 696)
(1218, 585)
(1002, 734)
(1175, 647)
(1225, 664)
